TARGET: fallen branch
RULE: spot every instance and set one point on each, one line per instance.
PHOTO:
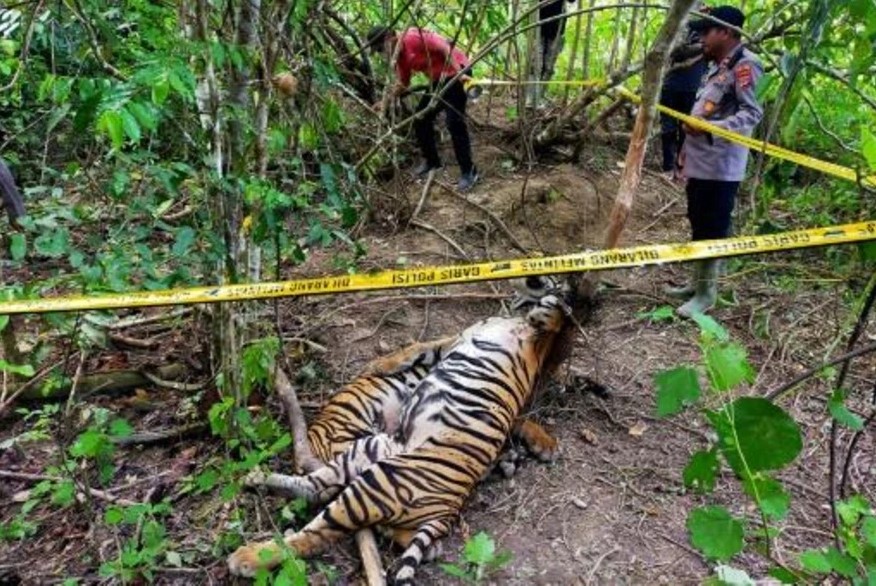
(106, 382)
(133, 342)
(426, 188)
(307, 462)
(139, 320)
(154, 437)
(101, 494)
(173, 385)
(492, 215)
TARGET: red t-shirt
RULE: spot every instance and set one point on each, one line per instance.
(427, 52)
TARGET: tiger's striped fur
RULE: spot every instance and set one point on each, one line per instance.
(449, 432)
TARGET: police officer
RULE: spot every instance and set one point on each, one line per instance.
(713, 166)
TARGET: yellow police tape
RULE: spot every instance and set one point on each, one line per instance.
(483, 81)
(445, 275)
(772, 150)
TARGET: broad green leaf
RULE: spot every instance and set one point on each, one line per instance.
(160, 90)
(207, 479)
(120, 428)
(662, 313)
(185, 237)
(4, 321)
(332, 116)
(784, 576)
(21, 369)
(480, 549)
(54, 244)
(843, 415)
(868, 530)
(143, 114)
(757, 431)
(702, 471)
(676, 388)
(113, 516)
(17, 246)
(90, 443)
(727, 366)
(111, 123)
(842, 564)
(733, 576)
(715, 533)
(774, 499)
(454, 570)
(63, 493)
(130, 125)
(709, 328)
(851, 509)
(814, 560)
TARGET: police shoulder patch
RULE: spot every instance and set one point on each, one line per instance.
(743, 75)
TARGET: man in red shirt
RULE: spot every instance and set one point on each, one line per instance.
(420, 50)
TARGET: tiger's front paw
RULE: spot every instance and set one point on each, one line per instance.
(244, 562)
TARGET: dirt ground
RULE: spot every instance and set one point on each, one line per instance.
(612, 509)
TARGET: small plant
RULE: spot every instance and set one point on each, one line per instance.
(147, 549)
(95, 443)
(660, 314)
(480, 559)
(754, 438)
(857, 533)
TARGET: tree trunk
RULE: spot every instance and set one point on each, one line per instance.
(655, 63)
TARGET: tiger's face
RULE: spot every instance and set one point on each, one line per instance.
(531, 289)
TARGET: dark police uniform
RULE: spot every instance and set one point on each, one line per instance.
(714, 166)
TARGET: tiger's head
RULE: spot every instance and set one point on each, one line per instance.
(530, 290)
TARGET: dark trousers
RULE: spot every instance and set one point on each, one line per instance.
(452, 102)
(671, 134)
(709, 207)
(551, 37)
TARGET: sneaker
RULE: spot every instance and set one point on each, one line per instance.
(424, 168)
(468, 180)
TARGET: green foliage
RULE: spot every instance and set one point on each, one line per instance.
(148, 549)
(676, 388)
(702, 471)
(754, 436)
(838, 410)
(479, 559)
(661, 314)
(95, 443)
(715, 533)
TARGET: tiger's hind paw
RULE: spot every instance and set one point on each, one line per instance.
(244, 561)
(539, 443)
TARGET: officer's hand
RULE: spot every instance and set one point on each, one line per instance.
(690, 130)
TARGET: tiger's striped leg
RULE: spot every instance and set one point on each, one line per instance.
(366, 502)
(323, 484)
(423, 541)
